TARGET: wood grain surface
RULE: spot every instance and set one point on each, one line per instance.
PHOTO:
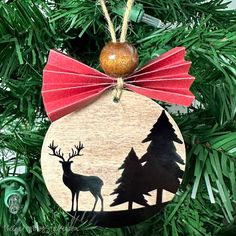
(108, 131)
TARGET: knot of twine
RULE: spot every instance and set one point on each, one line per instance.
(118, 89)
(120, 82)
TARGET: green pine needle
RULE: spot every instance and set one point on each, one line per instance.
(205, 204)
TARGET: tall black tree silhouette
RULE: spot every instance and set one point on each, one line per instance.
(161, 158)
(129, 183)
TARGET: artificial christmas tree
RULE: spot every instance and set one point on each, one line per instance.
(29, 29)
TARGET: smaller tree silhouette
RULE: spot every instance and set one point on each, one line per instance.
(129, 183)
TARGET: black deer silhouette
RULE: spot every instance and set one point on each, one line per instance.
(77, 182)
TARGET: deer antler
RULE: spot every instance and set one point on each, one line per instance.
(55, 152)
(77, 151)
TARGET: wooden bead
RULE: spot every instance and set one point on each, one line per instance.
(118, 59)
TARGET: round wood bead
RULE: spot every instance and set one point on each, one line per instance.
(118, 59)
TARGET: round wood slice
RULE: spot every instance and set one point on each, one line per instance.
(131, 154)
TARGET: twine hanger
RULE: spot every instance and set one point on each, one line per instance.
(120, 82)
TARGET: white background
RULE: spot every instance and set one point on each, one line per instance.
(233, 4)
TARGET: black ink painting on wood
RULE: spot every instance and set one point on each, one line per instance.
(161, 170)
(75, 182)
(130, 183)
(141, 180)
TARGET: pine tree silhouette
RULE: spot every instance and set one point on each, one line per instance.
(129, 182)
(161, 158)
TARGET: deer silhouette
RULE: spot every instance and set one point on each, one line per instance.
(77, 182)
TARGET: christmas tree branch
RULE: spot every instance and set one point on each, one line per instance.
(29, 29)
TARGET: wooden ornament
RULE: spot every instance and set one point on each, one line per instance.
(115, 164)
(118, 59)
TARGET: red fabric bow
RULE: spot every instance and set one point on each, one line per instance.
(69, 84)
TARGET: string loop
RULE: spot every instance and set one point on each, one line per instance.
(120, 82)
(109, 22)
(126, 20)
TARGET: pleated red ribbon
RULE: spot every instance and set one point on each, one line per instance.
(69, 84)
